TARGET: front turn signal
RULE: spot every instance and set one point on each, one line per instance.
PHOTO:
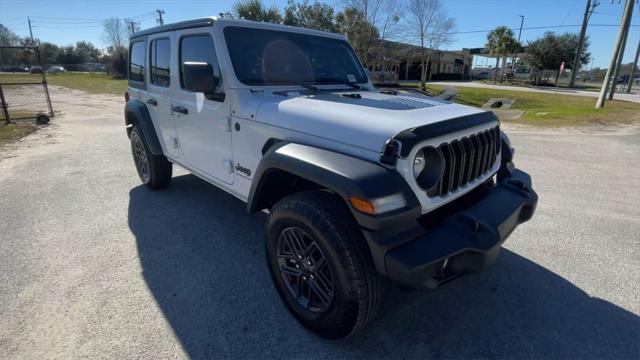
(362, 205)
(379, 205)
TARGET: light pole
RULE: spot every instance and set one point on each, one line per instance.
(513, 62)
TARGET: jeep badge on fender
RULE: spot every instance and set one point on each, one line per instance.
(243, 170)
(361, 186)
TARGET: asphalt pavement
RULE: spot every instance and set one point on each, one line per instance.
(93, 265)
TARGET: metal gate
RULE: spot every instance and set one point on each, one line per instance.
(23, 85)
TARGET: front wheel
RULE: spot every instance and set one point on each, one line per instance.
(154, 170)
(320, 264)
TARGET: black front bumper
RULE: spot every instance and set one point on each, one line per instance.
(465, 241)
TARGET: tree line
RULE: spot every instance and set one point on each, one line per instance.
(418, 28)
(81, 52)
(545, 53)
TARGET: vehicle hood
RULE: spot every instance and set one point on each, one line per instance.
(364, 119)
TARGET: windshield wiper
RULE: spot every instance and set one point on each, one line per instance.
(307, 86)
(353, 85)
(331, 81)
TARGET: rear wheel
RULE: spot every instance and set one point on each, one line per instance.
(154, 170)
(320, 264)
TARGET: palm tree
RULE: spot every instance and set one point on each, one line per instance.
(500, 43)
(257, 11)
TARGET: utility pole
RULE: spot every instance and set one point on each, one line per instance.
(616, 69)
(159, 19)
(513, 62)
(628, 8)
(30, 32)
(132, 26)
(588, 10)
(633, 69)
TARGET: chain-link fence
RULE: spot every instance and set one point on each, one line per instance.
(23, 85)
(25, 101)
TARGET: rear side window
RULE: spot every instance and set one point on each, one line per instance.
(199, 48)
(137, 60)
(160, 62)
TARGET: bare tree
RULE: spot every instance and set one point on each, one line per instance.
(115, 32)
(384, 15)
(428, 22)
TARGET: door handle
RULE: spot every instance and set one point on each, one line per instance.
(152, 102)
(180, 109)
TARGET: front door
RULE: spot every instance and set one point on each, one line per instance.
(204, 135)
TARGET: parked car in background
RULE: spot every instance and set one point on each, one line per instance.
(95, 67)
(56, 69)
(35, 70)
(14, 69)
(483, 76)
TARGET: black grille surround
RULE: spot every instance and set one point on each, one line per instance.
(465, 160)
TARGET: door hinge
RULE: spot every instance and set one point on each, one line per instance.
(229, 165)
(228, 124)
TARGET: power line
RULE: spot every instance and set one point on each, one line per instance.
(52, 26)
(569, 12)
(539, 28)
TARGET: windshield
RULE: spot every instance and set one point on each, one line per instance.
(268, 57)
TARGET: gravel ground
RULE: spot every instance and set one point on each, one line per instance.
(93, 265)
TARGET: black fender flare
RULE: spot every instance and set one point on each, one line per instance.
(342, 174)
(136, 113)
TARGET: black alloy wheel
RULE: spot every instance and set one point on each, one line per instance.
(305, 270)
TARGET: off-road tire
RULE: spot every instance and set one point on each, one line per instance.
(154, 170)
(357, 286)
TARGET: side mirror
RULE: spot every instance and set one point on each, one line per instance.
(198, 77)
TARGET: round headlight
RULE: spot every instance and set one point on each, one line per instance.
(428, 167)
(418, 163)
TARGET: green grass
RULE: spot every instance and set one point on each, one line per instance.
(16, 130)
(95, 83)
(555, 110)
(550, 110)
(586, 86)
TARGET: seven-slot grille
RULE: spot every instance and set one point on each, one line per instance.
(467, 159)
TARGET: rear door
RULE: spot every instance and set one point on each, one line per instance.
(158, 100)
(202, 124)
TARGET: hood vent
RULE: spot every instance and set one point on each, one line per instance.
(411, 103)
(390, 103)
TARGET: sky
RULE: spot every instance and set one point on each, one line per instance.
(65, 22)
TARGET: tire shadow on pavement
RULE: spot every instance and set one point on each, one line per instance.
(203, 260)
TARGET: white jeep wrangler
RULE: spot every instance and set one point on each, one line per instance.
(360, 185)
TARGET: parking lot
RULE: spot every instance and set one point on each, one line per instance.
(94, 265)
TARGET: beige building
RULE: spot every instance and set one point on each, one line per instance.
(404, 61)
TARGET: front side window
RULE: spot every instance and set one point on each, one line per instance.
(269, 57)
(137, 61)
(199, 48)
(161, 62)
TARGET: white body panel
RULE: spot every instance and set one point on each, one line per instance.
(358, 127)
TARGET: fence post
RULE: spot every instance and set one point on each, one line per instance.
(45, 86)
(5, 109)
